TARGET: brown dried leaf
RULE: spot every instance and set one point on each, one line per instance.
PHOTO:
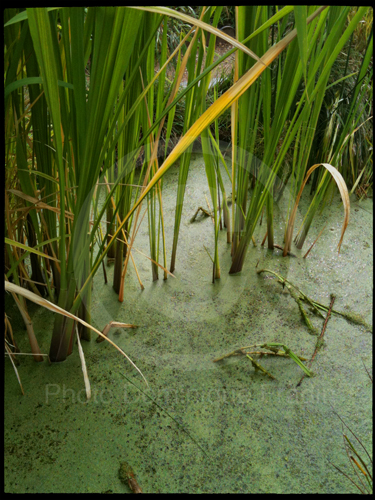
(345, 199)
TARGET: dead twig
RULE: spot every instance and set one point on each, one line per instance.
(320, 339)
(205, 212)
(127, 476)
(281, 248)
(276, 350)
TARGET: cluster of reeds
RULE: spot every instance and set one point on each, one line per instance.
(82, 110)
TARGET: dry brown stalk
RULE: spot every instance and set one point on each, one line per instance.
(320, 339)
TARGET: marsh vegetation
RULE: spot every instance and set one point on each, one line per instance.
(104, 104)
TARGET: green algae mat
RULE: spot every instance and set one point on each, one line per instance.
(203, 426)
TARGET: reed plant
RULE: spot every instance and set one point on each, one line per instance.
(82, 109)
(78, 123)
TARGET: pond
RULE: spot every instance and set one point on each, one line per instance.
(202, 426)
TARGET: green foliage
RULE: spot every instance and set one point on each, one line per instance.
(84, 106)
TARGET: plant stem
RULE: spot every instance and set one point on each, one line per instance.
(320, 339)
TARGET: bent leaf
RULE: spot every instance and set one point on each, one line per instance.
(345, 199)
(11, 287)
(200, 24)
